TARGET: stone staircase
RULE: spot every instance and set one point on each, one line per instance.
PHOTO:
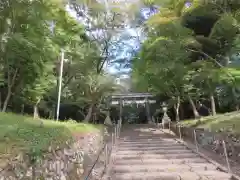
(147, 153)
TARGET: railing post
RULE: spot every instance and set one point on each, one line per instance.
(112, 139)
(115, 129)
(226, 156)
(118, 129)
(180, 132)
(120, 126)
(106, 155)
(195, 139)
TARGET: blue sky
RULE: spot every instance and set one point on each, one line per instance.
(130, 43)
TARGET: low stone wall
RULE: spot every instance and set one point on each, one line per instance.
(98, 158)
(66, 163)
(93, 146)
(212, 141)
(54, 164)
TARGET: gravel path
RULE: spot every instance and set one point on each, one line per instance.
(147, 153)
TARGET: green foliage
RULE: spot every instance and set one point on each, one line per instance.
(224, 32)
(33, 92)
(187, 50)
(30, 52)
(228, 123)
(92, 87)
(163, 57)
(22, 133)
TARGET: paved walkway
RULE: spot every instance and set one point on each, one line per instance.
(147, 153)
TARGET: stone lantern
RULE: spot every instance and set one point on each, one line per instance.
(165, 119)
(108, 121)
(164, 107)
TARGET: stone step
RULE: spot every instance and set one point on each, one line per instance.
(146, 143)
(162, 151)
(129, 145)
(196, 165)
(203, 175)
(149, 144)
(156, 156)
(159, 161)
(147, 139)
(162, 168)
(146, 155)
(145, 148)
(141, 137)
(135, 140)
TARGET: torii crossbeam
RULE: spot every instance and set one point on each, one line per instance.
(129, 98)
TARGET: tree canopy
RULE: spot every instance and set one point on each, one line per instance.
(186, 50)
(189, 52)
(33, 34)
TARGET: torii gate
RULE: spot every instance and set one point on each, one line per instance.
(129, 98)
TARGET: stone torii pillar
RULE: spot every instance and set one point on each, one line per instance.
(148, 111)
(120, 109)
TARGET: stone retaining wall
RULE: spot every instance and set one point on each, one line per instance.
(99, 168)
(211, 141)
(67, 163)
(55, 164)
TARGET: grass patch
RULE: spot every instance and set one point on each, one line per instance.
(23, 133)
(228, 122)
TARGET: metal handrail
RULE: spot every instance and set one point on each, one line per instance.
(94, 164)
(117, 130)
(198, 151)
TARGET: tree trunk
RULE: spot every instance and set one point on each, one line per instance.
(181, 111)
(213, 105)
(148, 112)
(234, 94)
(176, 108)
(195, 112)
(5, 104)
(89, 114)
(11, 82)
(94, 115)
(22, 109)
(52, 112)
(35, 110)
(0, 100)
